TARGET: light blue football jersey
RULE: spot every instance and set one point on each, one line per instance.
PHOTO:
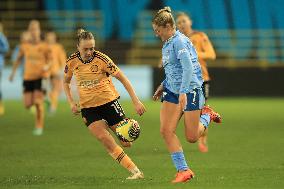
(180, 61)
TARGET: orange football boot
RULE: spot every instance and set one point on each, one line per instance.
(214, 116)
(183, 176)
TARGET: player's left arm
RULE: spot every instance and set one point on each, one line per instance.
(183, 55)
(208, 52)
(114, 71)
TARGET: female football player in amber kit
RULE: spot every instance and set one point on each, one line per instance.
(98, 97)
(37, 61)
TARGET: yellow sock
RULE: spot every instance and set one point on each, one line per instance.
(121, 157)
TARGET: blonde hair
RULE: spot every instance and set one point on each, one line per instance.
(34, 22)
(163, 17)
(182, 14)
(83, 35)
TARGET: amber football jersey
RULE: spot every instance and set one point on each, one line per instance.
(199, 39)
(58, 59)
(36, 57)
(93, 78)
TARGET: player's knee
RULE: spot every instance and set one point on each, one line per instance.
(165, 132)
(191, 138)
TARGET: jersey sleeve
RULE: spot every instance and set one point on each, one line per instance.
(68, 70)
(109, 66)
(183, 55)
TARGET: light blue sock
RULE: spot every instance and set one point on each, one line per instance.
(205, 120)
(179, 161)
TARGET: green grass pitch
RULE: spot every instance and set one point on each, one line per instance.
(246, 151)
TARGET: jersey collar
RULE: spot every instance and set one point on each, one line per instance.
(86, 62)
(170, 39)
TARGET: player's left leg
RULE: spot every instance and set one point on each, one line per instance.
(202, 142)
(39, 116)
(193, 128)
(100, 130)
(196, 120)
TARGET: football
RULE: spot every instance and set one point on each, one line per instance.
(128, 130)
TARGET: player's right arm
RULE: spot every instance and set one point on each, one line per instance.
(68, 73)
(16, 63)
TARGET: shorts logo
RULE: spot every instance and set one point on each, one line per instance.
(94, 68)
(66, 69)
(164, 94)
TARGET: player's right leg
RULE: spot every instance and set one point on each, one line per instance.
(100, 130)
(38, 99)
(169, 117)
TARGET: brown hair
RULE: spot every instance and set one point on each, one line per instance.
(182, 14)
(84, 35)
(163, 17)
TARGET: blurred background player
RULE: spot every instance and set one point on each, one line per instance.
(4, 47)
(98, 97)
(24, 38)
(181, 92)
(58, 59)
(36, 55)
(205, 51)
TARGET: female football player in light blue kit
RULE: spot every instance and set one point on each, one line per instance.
(180, 92)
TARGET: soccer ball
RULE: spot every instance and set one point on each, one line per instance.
(128, 130)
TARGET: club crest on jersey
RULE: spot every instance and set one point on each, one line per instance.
(94, 68)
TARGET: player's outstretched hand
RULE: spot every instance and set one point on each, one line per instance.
(157, 95)
(139, 108)
(75, 109)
